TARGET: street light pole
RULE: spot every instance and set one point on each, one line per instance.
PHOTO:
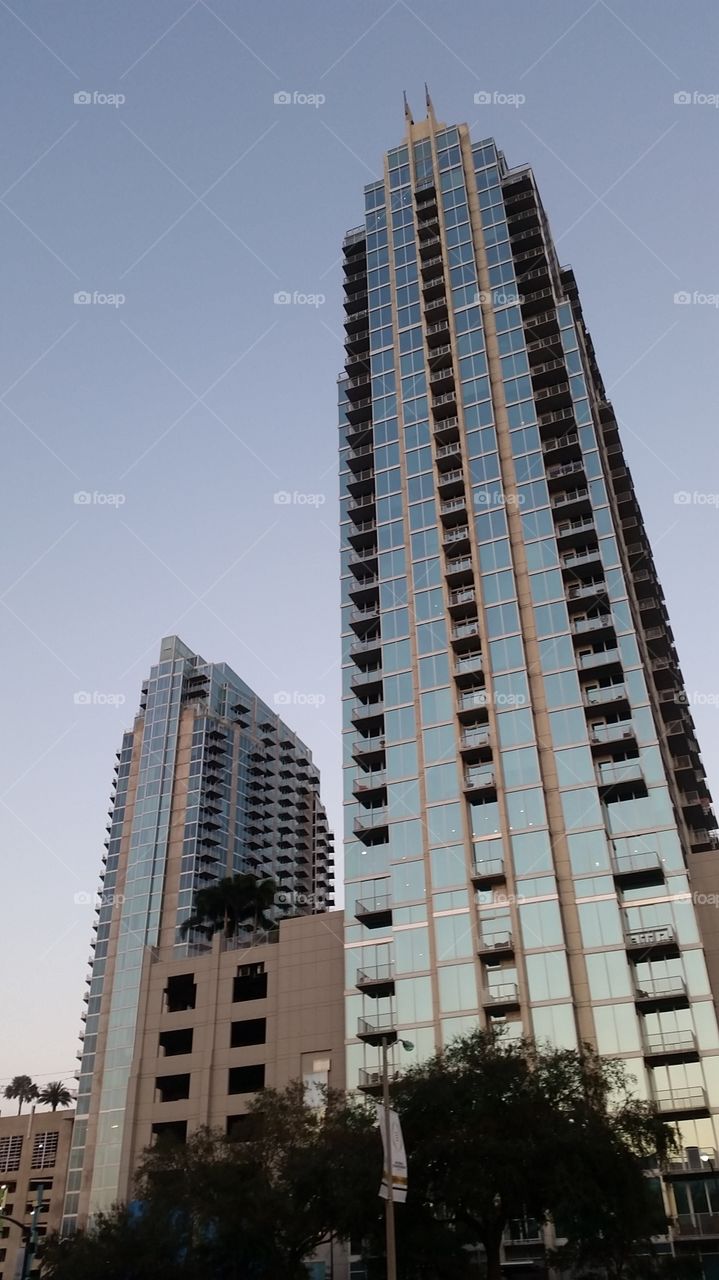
(389, 1202)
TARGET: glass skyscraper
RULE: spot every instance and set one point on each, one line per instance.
(527, 821)
(209, 782)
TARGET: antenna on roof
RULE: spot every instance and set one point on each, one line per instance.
(430, 108)
(407, 112)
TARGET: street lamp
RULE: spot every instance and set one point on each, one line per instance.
(389, 1202)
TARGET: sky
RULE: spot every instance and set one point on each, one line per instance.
(169, 425)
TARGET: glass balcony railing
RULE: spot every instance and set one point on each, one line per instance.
(609, 775)
(607, 693)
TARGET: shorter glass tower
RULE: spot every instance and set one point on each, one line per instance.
(210, 782)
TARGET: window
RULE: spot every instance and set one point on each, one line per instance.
(171, 1131)
(44, 1150)
(180, 993)
(173, 1088)
(249, 1031)
(173, 1043)
(250, 983)
(246, 1079)
(10, 1153)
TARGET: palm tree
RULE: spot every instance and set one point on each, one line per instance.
(22, 1088)
(236, 900)
(56, 1094)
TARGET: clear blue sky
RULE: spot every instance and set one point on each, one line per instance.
(199, 398)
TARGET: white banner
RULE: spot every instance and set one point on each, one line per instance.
(397, 1158)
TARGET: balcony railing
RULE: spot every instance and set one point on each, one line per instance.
(603, 658)
(475, 738)
(502, 993)
(698, 1224)
(612, 732)
(666, 1043)
(498, 940)
(479, 779)
(662, 935)
(609, 775)
(605, 693)
(636, 863)
(679, 1101)
(658, 990)
(375, 1030)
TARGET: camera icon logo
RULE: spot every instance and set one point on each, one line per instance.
(282, 498)
(282, 99)
(483, 98)
(282, 298)
(682, 98)
(682, 298)
(282, 698)
(82, 98)
(82, 298)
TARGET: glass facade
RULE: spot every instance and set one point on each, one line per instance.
(523, 790)
(209, 783)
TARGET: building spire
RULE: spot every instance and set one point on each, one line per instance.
(430, 108)
(407, 112)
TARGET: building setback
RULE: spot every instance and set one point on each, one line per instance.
(210, 782)
(527, 821)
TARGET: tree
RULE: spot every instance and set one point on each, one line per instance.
(56, 1094)
(22, 1088)
(249, 1208)
(498, 1131)
(231, 902)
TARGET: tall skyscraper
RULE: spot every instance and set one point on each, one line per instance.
(210, 782)
(527, 821)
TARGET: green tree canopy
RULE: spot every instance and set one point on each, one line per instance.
(23, 1089)
(236, 900)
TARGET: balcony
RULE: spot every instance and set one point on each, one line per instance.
(371, 822)
(575, 500)
(453, 511)
(472, 704)
(446, 429)
(371, 1081)
(696, 1226)
(619, 778)
(451, 484)
(377, 1030)
(459, 571)
(366, 749)
(370, 783)
(489, 872)
(661, 993)
(599, 658)
(619, 733)
(374, 913)
(594, 589)
(695, 1161)
(364, 680)
(671, 1046)
(505, 995)
(655, 943)
(450, 453)
(479, 781)
(457, 538)
(462, 631)
(469, 665)
(682, 1103)
(497, 943)
(475, 740)
(363, 712)
(376, 981)
(632, 870)
(605, 695)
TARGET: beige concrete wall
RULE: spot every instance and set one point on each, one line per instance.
(22, 1196)
(304, 1016)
